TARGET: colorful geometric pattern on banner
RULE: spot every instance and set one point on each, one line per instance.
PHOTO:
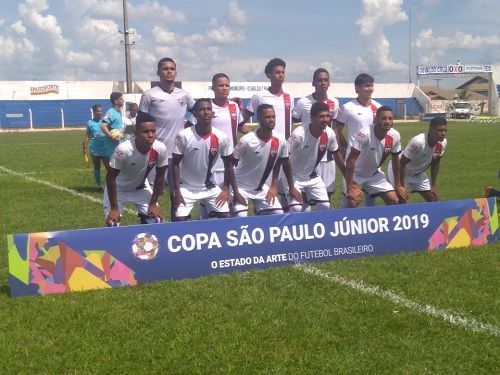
(77, 260)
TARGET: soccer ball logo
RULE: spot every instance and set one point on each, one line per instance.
(145, 246)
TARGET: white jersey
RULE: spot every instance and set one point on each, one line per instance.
(135, 166)
(421, 154)
(283, 106)
(302, 110)
(357, 117)
(199, 155)
(226, 119)
(169, 111)
(305, 150)
(373, 151)
(256, 159)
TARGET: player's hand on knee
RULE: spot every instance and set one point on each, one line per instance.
(154, 212)
(223, 197)
(296, 194)
(240, 198)
(113, 218)
(402, 193)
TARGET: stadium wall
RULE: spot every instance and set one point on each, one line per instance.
(42, 104)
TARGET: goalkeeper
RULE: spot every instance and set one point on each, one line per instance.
(112, 123)
(96, 138)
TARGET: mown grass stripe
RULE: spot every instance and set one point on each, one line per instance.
(58, 187)
(452, 317)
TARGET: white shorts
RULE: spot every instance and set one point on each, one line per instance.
(218, 177)
(203, 195)
(373, 185)
(326, 169)
(258, 199)
(314, 190)
(139, 198)
(416, 182)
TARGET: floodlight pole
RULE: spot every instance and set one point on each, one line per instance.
(409, 46)
(127, 44)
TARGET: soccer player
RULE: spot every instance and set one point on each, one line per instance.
(301, 112)
(227, 116)
(282, 102)
(97, 147)
(167, 104)
(422, 151)
(195, 153)
(358, 113)
(129, 120)
(308, 144)
(129, 167)
(366, 153)
(260, 154)
(113, 120)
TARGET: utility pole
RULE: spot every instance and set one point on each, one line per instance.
(409, 47)
(127, 44)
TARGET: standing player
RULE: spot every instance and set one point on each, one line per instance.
(366, 153)
(308, 144)
(130, 119)
(129, 167)
(97, 147)
(195, 153)
(301, 112)
(259, 154)
(112, 121)
(422, 151)
(282, 102)
(358, 113)
(167, 104)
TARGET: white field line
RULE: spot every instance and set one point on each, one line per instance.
(452, 317)
(57, 187)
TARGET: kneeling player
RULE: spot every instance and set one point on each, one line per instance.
(195, 152)
(129, 167)
(308, 144)
(422, 151)
(367, 151)
(258, 154)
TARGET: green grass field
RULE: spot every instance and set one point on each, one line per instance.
(417, 313)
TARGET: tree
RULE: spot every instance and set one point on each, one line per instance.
(464, 94)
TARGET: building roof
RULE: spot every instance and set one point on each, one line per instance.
(437, 93)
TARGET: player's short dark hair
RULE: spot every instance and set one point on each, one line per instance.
(263, 107)
(318, 107)
(384, 108)
(132, 105)
(362, 79)
(318, 71)
(115, 96)
(217, 76)
(273, 63)
(143, 117)
(438, 120)
(95, 107)
(201, 100)
(166, 59)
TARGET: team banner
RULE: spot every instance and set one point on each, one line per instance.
(77, 260)
(454, 69)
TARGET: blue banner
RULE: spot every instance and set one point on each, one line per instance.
(60, 262)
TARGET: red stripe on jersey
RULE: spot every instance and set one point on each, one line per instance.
(388, 143)
(323, 142)
(374, 108)
(234, 121)
(271, 159)
(212, 153)
(286, 99)
(331, 105)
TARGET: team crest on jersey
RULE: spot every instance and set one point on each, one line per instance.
(118, 154)
(213, 150)
(322, 147)
(233, 116)
(274, 152)
(413, 148)
(181, 101)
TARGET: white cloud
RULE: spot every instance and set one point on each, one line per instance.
(225, 36)
(377, 14)
(431, 47)
(237, 17)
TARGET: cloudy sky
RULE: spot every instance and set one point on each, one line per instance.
(68, 39)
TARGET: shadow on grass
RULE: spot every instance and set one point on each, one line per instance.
(5, 290)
